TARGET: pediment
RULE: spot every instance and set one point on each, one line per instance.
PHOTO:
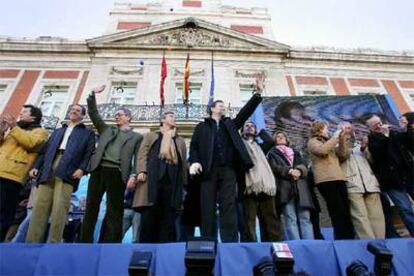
(187, 33)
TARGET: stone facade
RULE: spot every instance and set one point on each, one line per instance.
(55, 72)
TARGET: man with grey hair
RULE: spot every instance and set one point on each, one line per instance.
(112, 171)
(162, 175)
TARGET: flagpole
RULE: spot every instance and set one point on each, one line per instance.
(212, 84)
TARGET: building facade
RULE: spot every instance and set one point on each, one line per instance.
(55, 72)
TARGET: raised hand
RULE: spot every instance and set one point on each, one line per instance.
(99, 89)
(260, 82)
(10, 120)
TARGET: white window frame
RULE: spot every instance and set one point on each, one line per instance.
(62, 101)
(193, 99)
(247, 89)
(113, 94)
(3, 91)
(304, 90)
(408, 94)
(10, 87)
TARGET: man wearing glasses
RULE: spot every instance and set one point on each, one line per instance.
(112, 171)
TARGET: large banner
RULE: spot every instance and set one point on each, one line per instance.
(294, 115)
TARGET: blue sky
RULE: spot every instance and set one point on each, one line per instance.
(382, 24)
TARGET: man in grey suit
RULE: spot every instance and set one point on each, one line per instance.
(112, 170)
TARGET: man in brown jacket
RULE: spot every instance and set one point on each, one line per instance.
(162, 174)
(19, 144)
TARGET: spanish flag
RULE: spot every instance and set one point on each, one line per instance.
(186, 85)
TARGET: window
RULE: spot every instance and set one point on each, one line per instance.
(314, 93)
(195, 93)
(2, 91)
(53, 98)
(245, 93)
(411, 96)
(123, 93)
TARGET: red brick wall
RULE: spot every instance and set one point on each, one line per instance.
(82, 83)
(311, 80)
(22, 92)
(132, 25)
(9, 73)
(340, 87)
(50, 74)
(193, 4)
(406, 84)
(363, 82)
(395, 93)
(291, 86)
(248, 29)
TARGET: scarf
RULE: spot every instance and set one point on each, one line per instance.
(168, 150)
(259, 179)
(28, 125)
(287, 152)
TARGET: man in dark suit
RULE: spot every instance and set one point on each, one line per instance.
(216, 150)
(60, 165)
(112, 170)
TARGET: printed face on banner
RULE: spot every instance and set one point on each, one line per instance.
(294, 115)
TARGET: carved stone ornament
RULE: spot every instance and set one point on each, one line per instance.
(191, 37)
(248, 74)
(195, 72)
(126, 70)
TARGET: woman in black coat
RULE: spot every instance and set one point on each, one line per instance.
(293, 196)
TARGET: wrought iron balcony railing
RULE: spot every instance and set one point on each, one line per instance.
(147, 113)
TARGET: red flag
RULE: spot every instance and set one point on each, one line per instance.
(163, 76)
(186, 86)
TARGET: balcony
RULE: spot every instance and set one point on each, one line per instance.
(146, 113)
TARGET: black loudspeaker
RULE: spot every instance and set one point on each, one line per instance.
(383, 258)
(264, 267)
(357, 268)
(140, 263)
(200, 257)
(282, 258)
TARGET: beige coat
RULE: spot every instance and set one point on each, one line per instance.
(326, 156)
(359, 175)
(141, 191)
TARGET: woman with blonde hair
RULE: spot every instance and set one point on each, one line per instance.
(326, 154)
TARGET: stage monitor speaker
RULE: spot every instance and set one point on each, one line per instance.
(383, 258)
(200, 257)
(140, 263)
(282, 258)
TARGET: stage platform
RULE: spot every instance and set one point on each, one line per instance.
(313, 257)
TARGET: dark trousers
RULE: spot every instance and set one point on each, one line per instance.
(336, 197)
(103, 180)
(221, 183)
(9, 197)
(262, 206)
(390, 231)
(158, 221)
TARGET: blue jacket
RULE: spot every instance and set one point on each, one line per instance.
(80, 146)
